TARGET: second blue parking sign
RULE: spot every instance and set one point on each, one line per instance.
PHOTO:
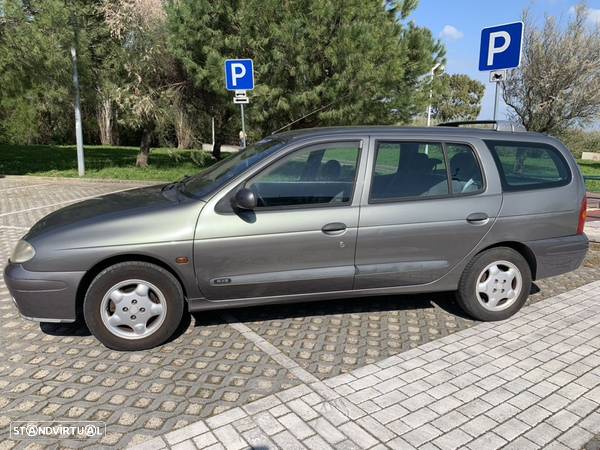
(501, 46)
(239, 75)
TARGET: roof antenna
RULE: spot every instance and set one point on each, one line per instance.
(309, 114)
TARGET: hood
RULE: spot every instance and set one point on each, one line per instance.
(102, 208)
(123, 218)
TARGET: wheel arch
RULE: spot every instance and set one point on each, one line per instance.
(521, 248)
(90, 274)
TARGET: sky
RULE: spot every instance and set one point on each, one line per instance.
(458, 24)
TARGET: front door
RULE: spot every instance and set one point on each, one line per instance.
(427, 207)
(301, 237)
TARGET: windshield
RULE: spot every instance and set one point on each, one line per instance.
(211, 179)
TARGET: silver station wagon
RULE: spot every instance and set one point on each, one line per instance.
(311, 215)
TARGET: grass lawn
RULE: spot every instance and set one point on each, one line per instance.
(100, 162)
(119, 162)
(591, 168)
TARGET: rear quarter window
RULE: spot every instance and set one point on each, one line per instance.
(529, 165)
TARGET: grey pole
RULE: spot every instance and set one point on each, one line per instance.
(243, 126)
(78, 127)
(212, 123)
(496, 101)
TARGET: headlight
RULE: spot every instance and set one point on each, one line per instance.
(23, 252)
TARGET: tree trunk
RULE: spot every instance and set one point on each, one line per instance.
(183, 131)
(105, 121)
(142, 157)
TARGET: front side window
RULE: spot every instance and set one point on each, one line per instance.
(213, 178)
(405, 170)
(322, 174)
(528, 165)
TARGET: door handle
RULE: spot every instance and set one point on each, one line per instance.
(477, 218)
(334, 228)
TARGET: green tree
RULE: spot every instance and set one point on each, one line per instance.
(35, 72)
(456, 97)
(152, 75)
(557, 86)
(35, 68)
(352, 63)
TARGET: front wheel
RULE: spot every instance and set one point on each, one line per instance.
(495, 284)
(133, 306)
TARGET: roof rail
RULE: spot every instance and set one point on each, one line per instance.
(499, 125)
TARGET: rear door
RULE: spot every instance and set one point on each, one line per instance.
(427, 206)
(302, 236)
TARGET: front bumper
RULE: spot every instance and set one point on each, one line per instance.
(43, 296)
(559, 255)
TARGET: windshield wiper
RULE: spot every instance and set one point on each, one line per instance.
(168, 186)
(175, 183)
(181, 183)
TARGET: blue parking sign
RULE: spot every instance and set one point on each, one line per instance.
(239, 75)
(501, 46)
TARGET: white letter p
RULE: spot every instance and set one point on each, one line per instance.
(238, 71)
(492, 49)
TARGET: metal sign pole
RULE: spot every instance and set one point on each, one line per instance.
(243, 126)
(78, 127)
(496, 100)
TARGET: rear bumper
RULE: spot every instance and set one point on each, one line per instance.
(559, 255)
(43, 296)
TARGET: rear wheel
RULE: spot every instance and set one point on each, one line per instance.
(133, 306)
(495, 284)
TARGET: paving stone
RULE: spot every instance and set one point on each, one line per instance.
(450, 420)
(287, 441)
(421, 435)
(205, 440)
(563, 420)
(457, 438)
(542, 434)
(534, 415)
(520, 443)
(230, 438)
(390, 413)
(478, 426)
(296, 426)
(488, 441)
(512, 428)
(316, 443)
(358, 435)
(576, 437)
(326, 430)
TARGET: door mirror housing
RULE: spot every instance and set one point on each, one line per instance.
(244, 199)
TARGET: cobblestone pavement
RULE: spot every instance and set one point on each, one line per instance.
(60, 372)
(525, 383)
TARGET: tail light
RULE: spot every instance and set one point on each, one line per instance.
(582, 216)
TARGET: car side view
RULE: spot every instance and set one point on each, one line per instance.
(308, 215)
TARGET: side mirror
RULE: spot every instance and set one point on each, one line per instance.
(244, 199)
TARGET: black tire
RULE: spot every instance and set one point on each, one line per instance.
(467, 294)
(111, 276)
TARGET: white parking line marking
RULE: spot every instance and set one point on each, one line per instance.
(279, 357)
(67, 201)
(25, 186)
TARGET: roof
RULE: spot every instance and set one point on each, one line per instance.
(482, 133)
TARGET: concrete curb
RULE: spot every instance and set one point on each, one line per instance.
(84, 180)
(592, 230)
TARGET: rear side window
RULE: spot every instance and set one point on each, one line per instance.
(405, 170)
(417, 170)
(527, 165)
(464, 169)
